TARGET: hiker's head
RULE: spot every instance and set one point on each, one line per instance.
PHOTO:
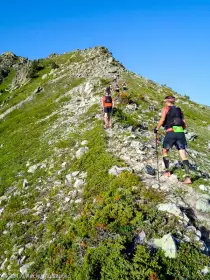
(108, 90)
(169, 100)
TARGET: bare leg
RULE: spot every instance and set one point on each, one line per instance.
(166, 162)
(106, 120)
(109, 120)
(185, 162)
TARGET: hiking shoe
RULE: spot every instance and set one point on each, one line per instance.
(167, 174)
(187, 180)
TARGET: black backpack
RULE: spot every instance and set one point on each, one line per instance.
(108, 99)
(174, 117)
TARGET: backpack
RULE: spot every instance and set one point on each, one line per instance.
(108, 101)
(174, 117)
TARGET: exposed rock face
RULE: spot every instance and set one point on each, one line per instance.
(9, 62)
(22, 75)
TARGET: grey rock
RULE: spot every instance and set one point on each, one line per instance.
(33, 168)
(205, 270)
(25, 267)
(85, 142)
(13, 257)
(204, 188)
(57, 183)
(83, 175)
(75, 173)
(115, 170)
(155, 186)
(78, 201)
(78, 183)
(64, 165)
(2, 210)
(4, 276)
(172, 209)
(3, 197)
(12, 276)
(44, 76)
(191, 136)
(203, 204)
(3, 264)
(68, 180)
(73, 193)
(140, 238)
(130, 129)
(20, 251)
(81, 152)
(167, 244)
(67, 199)
(25, 183)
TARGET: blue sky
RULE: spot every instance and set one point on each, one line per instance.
(166, 41)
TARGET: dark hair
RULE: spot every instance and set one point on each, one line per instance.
(108, 91)
(169, 97)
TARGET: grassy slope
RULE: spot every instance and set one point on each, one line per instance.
(96, 244)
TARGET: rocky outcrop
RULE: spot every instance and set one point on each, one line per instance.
(22, 75)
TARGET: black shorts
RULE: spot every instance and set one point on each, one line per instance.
(108, 110)
(175, 138)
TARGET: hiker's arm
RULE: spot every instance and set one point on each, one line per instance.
(185, 125)
(102, 104)
(161, 121)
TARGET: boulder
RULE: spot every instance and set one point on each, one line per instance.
(25, 267)
(191, 136)
(204, 188)
(205, 270)
(172, 209)
(67, 199)
(81, 152)
(68, 180)
(78, 183)
(168, 245)
(115, 170)
(85, 142)
(203, 204)
(75, 173)
(33, 168)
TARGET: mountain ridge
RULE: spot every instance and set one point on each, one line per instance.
(71, 192)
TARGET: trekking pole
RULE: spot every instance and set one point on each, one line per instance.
(157, 158)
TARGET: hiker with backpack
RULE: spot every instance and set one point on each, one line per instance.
(107, 104)
(172, 119)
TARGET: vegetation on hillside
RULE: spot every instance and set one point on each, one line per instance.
(97, 237)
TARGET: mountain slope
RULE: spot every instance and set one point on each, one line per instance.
(77, 201)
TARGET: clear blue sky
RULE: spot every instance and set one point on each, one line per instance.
(166, 41)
